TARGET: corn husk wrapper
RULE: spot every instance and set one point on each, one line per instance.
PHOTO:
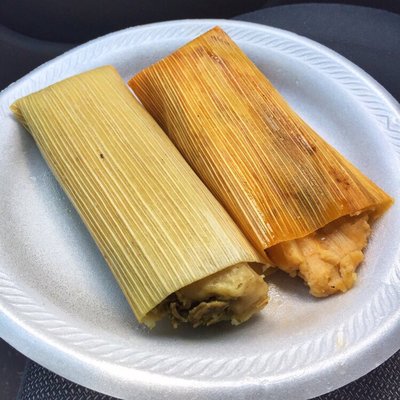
(276, 177)
(156, 224)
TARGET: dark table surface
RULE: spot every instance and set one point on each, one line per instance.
(369, 37)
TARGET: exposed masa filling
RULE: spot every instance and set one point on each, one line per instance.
(233, 294)
(328, 258)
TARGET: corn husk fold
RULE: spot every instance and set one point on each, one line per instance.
(156, 224)
(276, 177)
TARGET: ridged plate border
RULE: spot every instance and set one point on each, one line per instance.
(257, 374)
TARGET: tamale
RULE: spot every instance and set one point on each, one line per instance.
(158, 227)
(278, 179)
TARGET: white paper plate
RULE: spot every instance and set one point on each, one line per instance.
(60, 305)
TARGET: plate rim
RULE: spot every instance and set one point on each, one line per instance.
(10, 324)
